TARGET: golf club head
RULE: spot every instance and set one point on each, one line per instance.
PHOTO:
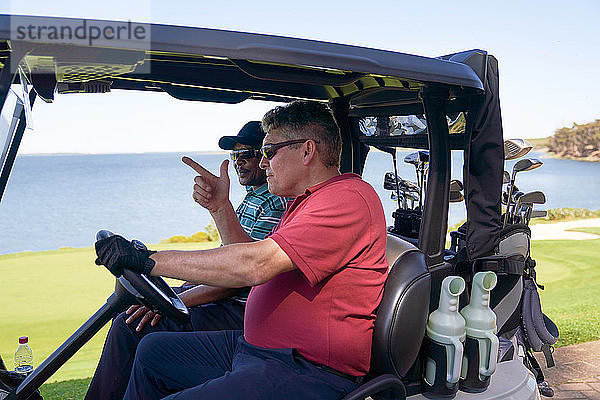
(515, 148)
(539, 213)
(456, 185)
(409, 186)
(389, 181)
(455, 196)
(506, 191)
(516, 195)
(535, 197)
(410, 196)
(505, 177)
(527, 164)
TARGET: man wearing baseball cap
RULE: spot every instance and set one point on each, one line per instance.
(211, 308)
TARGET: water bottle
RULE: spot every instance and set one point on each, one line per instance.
(443, 343)
(23, 357)
(481, 347)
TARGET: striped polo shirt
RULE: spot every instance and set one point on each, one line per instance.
(260, 211)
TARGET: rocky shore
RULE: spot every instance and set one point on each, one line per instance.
(594, 157)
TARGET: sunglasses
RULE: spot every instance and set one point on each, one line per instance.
(268, 151)
(244, 154)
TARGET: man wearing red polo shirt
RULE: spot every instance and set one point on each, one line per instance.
(317, 281)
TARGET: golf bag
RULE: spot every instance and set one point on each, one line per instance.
(10, 380)
(515, 299)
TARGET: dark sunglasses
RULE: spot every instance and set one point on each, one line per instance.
(244, 154)
(268, 150)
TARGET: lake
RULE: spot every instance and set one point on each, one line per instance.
(54, 201)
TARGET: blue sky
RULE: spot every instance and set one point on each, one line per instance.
(547, 51)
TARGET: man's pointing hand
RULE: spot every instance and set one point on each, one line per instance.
(210, 191)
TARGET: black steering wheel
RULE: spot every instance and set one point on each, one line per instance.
(150, 291)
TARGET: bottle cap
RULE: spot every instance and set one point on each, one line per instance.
(23, 339)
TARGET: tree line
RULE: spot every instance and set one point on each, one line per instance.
(578, 141)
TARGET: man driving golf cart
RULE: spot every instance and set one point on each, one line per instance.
(305, 335)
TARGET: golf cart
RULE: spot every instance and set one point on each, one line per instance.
(380, 99)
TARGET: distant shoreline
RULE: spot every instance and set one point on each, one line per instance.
(545, 150)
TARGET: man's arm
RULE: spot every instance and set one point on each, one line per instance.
(228, 224)
(212, 193)
(202, 294)
(235, 265)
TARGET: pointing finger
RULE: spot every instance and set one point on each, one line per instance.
(196, 167)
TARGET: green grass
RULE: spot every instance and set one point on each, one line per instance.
(48, 295)
(73, 389)
(570, 270)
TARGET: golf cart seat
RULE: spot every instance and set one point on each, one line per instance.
(401, 321)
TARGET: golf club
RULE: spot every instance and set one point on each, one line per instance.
(455, 197)
(535, 197)
(420, 160)
(456, 188)
(516, 148)
(526, 164)
(539, 213)
(524, 205)
(392, 151)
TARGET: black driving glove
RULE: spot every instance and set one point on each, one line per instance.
(116, 252)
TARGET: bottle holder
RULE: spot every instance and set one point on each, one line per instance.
(435, 370)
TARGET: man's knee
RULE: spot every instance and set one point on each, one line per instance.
(148, 346)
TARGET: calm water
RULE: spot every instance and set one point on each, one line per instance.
(62, 200)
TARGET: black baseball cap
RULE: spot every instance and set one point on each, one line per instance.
(251, 134)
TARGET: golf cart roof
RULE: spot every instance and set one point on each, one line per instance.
(224, 66)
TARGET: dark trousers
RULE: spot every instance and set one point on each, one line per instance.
(112, 374)
(223, 366)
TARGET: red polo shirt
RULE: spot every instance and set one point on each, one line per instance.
(335, 234)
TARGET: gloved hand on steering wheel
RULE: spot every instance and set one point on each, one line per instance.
(116, 252)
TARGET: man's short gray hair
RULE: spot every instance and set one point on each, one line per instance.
(308, 120)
